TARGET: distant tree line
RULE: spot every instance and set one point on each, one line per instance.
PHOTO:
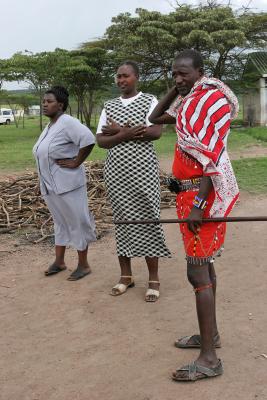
(222, 35)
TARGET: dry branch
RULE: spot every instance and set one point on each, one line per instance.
(21, 206)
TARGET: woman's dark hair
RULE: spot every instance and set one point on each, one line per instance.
(61, 94)
(132, 64)
(193, 55)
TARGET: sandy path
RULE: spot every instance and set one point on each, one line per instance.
(65, 340)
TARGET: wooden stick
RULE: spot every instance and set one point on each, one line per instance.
(181, 221)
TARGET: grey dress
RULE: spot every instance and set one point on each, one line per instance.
(64, 189)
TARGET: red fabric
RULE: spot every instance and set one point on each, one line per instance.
(206, 115)
(211, 236)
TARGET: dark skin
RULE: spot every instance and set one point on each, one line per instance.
(185, 75)
(114, 134)
(54, 109)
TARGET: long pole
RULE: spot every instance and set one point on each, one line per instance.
(181, 221)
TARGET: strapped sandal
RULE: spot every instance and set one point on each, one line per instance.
(193, 372)
(121, 288)
(152, 295)
(194, 342)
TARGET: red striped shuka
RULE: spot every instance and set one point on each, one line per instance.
(203, 120)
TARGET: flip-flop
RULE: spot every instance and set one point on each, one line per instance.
(54, 269)
(193, 372)
(78, 274)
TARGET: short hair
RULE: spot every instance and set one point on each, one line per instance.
(194, 55)
(61, 94)
(132, 64)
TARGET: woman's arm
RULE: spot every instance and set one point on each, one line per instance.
(159, 115)
(125, 133)
(107, 141)
(150, 133)
(78, 160)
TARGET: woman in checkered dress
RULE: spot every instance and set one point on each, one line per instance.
(132, 177)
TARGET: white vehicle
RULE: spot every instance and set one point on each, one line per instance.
(6, 116)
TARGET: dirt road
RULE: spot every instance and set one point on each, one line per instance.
(64, 340)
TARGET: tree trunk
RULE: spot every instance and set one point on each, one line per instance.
(23, 119)
(14, 116)
(166, 79)
(88, 111)
(41, 110)
(220, 66)
(78, 108)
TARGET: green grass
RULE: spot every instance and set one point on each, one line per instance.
(244, 138)
(16, 151)
(251, 174)
(16, 146)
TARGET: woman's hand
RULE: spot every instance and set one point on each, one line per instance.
(133, 133)
(68, 163)
(195, 220)
(112, 128)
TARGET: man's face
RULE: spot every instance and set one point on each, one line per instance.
(185, 75)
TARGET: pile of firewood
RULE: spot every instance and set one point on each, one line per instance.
(23, 209)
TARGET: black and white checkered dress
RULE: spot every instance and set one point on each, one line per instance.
(132, 178)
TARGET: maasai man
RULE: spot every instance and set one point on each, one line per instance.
(206, 187)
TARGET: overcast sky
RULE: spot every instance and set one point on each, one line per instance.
(36, 25)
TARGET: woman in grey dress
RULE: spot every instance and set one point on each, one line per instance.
(132, 178)
(59, 152)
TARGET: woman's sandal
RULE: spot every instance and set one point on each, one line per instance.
(152, 295)
(194, 342)
(193, 372)
(54, 269)
(121, 288)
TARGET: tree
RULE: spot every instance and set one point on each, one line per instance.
(85, 72)
(222, 35)
(37, 69)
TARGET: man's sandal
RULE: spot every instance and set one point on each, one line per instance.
(152, 295)
(121, 288)
(193, 372)
(194, 342)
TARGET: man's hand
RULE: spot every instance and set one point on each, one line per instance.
(68, 163)
(195, 220)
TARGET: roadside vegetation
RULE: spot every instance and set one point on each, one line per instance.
(16, 151)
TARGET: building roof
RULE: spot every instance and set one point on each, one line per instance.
(259, 60)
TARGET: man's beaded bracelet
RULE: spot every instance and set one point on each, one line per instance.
(199, 203)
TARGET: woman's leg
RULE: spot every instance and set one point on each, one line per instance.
(60, 256)
(59, 263)
(126, 279)
(153, 271)
(83, 267)
(83, 261)
(126, 270)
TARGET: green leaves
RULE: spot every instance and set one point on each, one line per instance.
(152, 38)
